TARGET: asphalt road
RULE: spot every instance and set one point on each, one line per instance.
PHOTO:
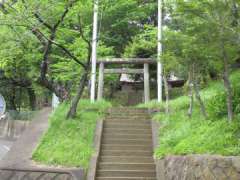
(5, 146)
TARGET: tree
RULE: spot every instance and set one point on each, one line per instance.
(208, 23)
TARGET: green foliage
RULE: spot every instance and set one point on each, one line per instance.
(152, 104)
(122, 20)
(69, 143)
(180, 135)
(175, 104)
(17, 57)
(144, 44)
(22, 50)
(217, 107)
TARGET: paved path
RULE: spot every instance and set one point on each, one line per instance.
(5, 146)
(24, 146)
(18, 164)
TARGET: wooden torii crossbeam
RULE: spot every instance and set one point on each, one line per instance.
(121, 61)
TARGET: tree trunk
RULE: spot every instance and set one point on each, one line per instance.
(12, 100)
(32, 98)
(235, 13)
(190, 84)
(228, 89)
(199, 99)
(227, 84)
(73, 109)
(166, 88)
(112, 89)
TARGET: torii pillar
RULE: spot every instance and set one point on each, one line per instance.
(145, 71)
(100, 81)
(146, 83)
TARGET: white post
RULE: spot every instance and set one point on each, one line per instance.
(94, 50)
(159, 66)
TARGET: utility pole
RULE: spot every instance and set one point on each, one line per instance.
(159, 65)
(94, 50)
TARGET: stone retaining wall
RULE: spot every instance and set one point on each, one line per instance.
(201, 167)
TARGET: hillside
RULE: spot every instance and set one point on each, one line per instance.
(180, 135)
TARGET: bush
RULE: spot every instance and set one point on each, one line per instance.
(217, 105)
(181, 136)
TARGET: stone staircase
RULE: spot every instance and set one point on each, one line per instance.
(126, 146)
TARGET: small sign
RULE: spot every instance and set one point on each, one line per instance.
(2, 105)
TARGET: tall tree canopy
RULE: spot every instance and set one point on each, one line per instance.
(47, 43)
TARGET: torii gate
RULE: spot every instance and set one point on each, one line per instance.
(118, 61)
(146, 65)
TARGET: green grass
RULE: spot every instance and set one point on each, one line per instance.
(180, 135)
(69, 143)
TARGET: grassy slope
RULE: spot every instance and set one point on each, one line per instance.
(69, 143)
(180, 135)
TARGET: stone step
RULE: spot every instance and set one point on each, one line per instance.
(126, 153)
(127, 136)
(129, 128)
(147, 142)
(126, 166)
(126, 125)
(125, 178)
(129, 119)
(128, 110)
(126, 159)
(128, 114)
(126, 173)
(127, 131)
(125, 147)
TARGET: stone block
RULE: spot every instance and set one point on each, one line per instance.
(202, 167)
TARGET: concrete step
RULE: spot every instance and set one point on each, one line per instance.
(147, 142)
(127, 131)
(126, 125)
(128, 110)
(126, 178)
(126, 147)
(127, 136)
(126, 159)
(129, 120)
(123, 114)
(126, 153)
(123, 127)
(126, 166)
(130, 117)
(126, 173)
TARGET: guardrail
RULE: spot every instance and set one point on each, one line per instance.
(39, 174)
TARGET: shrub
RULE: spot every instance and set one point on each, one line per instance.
(217, 105)
(181, 136)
